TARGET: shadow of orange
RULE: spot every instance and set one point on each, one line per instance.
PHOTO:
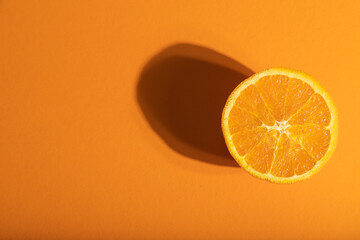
(182, 91)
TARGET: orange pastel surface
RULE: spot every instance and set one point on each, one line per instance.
(110, 124)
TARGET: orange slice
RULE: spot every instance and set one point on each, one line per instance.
(280, 125)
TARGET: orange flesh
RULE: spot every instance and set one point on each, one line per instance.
(279, 125)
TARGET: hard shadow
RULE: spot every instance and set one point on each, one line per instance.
(182, 91)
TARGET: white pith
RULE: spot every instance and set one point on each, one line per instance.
(281, 126)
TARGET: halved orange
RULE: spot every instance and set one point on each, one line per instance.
(280, 125)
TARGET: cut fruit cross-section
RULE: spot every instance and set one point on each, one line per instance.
(280, 125)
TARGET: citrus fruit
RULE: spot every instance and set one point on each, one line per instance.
(280, 125)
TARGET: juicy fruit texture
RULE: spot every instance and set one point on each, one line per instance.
(280, 125)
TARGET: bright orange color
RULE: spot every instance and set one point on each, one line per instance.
(280, 125)
(82, 157)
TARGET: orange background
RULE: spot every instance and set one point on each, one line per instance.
(110, 125)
